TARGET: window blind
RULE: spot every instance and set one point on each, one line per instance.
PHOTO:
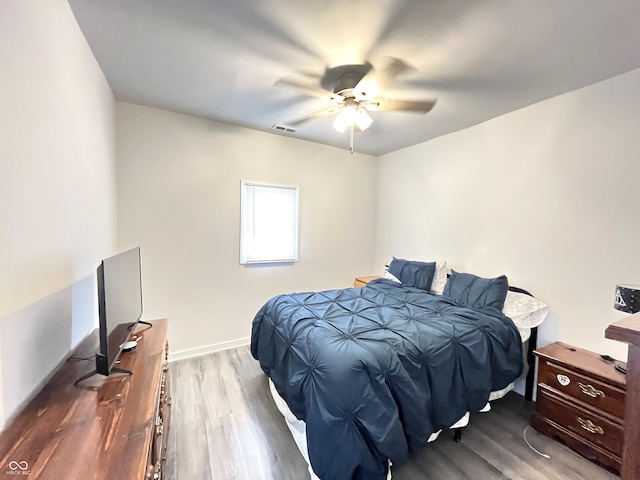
(269, 224)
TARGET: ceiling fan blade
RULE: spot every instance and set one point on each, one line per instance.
(321, 113)
(395, 68)
(309, 89)
(374, 81)
(395, 105)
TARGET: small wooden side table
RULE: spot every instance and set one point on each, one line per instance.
(362, 281)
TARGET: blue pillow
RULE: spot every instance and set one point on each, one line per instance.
(413, 274)
(473, 291)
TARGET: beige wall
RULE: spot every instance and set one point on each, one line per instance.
(57, 191)
(179, 199)
(547, 195)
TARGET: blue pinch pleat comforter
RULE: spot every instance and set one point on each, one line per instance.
(374, 371)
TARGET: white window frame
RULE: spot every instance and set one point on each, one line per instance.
(249, 254)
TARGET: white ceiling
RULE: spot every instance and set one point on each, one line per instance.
(219, 59)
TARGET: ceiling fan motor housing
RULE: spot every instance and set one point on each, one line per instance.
(347, 82)
(344, 77)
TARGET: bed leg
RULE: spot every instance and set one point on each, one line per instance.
(457, 434)
(531, 362)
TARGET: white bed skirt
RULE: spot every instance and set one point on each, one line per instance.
(299, 429)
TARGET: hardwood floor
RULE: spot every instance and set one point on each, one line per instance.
(225, 426)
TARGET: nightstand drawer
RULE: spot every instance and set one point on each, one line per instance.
(584, 423)
(587, 390)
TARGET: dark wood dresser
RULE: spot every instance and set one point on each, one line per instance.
(581, 400)
(103, 428)
(627, 330)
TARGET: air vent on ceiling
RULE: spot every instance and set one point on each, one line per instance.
(282, 128)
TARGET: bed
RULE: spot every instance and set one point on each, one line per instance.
(374, 373)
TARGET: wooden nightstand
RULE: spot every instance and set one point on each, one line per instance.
(581, 401)
(362, 281)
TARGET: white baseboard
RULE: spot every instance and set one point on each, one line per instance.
(215, 347)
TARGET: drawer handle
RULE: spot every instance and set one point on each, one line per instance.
(591, 390)
(590, 427)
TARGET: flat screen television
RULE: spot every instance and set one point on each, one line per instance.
(119, 308)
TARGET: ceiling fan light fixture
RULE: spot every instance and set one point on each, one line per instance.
(351, 115)
(345, 118)
(363, 120)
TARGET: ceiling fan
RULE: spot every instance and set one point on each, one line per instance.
(352, 91)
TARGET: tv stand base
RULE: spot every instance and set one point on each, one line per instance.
(95, 372)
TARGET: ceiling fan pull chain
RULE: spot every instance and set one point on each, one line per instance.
(351, 139)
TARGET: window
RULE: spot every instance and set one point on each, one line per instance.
(269, 223)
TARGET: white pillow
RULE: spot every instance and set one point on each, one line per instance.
(525, 310)
(390, 276)
(440, 277)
